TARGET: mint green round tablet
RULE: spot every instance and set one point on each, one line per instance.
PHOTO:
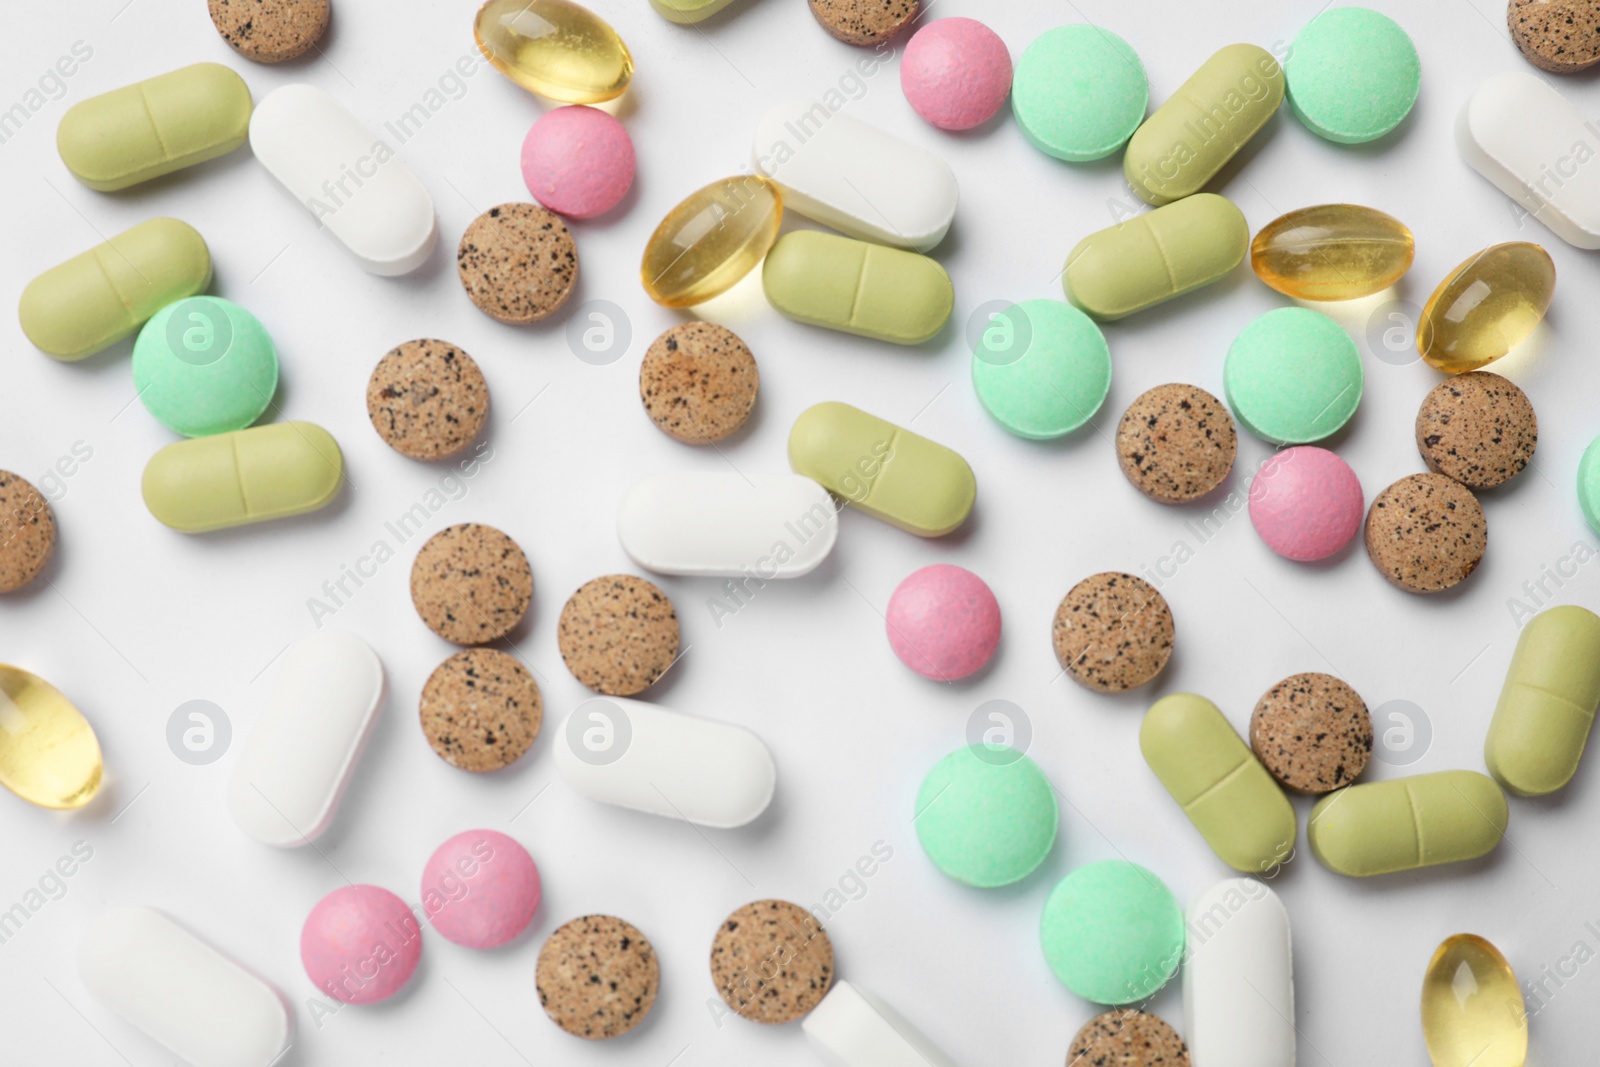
(205, 365)
(1293, 376)
(1079, 92)
(986, 815)
(1041, 368)
(1352, 75)
(1112, 932)
(1589, 484)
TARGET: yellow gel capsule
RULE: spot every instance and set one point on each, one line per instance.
(1473, 1014)
(1486, 307)
(711, 240)
(560, 50)
(1332, 252)
(48, 752)
(229, 479)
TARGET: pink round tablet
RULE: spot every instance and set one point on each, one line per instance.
(956, 73)
(1306, 503)
(360, 944)
(480, 889)
(578, 161)
(943, 622)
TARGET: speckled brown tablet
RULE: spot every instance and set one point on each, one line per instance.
(597, 977)
(698, 382)
(1176, 443)
(271, 31)
(864, 21)
(1113, 632)
(27, 532)
(427, 399)
(481, 710)
(1426, 533)
(1477, 428)
(1312, 731)
(618, 634)
(517, 263)
(772, 961)
(1560, 36)
(471, 584)
(1124, 1037)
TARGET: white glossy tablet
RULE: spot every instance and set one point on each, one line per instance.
(640, 756)
(1538, 149)
(199, 1004)
(1238, 979)
(306, 743)
(728, 524)
(852, 176)
(346, 177)
(853, 1028)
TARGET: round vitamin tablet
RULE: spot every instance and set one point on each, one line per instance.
(698, 382)
(1112, 932)
(1560, 36)
(205, 366)
(471, 584)
(943, 622)
(1176, 443)
(360, 944)
(1079, 92)
(481, 710)
(271, 31)
(618, 634)
(1306, 503)
(771, 961)
(517, 263)
(27, 532)
(1113, 632)
(1313, 732)
(480, 889)
(578, 161)
(956, 73)
(1477, 428)
(1293, 376)
(1127, 1037)
(1426, 533)
(1589, 485)
(986, 816)
(597, 977)
(427, 399)
(1046, 374)
(1352, 75)
(864, 21)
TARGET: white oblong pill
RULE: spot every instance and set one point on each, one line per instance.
(1238, 978)
(726, 524)
(640, 756)
(347, 178)
(198, 1003)
(854, 177)
(1538, 149)
(852, 1028)
(306, 743)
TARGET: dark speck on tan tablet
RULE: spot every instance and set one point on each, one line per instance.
(471, 584)
(597, 977)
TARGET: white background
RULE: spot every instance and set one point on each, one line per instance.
(135, 619)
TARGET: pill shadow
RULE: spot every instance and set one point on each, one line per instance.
(1155, 318)
(213, 171)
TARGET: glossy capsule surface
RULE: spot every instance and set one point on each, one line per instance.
(1332, 252)
(1486, 307)
(560, 50)
(1473, 1014)
(711, 240)
(49, 755)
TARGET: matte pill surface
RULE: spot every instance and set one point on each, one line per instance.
(480, 889)
(1405, 823)
(578, 161)
(1306, 503)
(986, 816)
(1352, 75)
(698, 382)
(597, 977)
(854, 1028)
(265, 472)
(887, 472)
(1079, 92)
(1192, 136)
(1050, 377)
(1113, 632)
(771, 961)
(688, 11)
(49, 754)
(956, 73)
(1218, 782)
(427, 399)
(518, 263)
(1112, 932)
(943, 622)
(271, 31)
(1486, 307)
(1473, 1014)
(870, 290)
(1548, 702)
(1127, 1037)
(361, 944)
(1312, 731)
(1589, 485)
(205, 365)
(191, 999)
(481, 710)
(1176, 443)
(1426, 533)
(618, 633)
(471, 584)
(865, 22)
(98, 297)
(1293, 376)
(1477, 428)
(1153, 257)
(27, 532)
(154, 127)
(557, 49)
(1560, 36)
(1238, 978)
(1332, 252)
(711, 240)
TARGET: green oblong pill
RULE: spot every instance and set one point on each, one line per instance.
(1112, 932)
(986, 816)
(1548, 703)
(1079, 92)
(1058, 381)
(205, 365)
(839, 283)
(230, 479)
(1352, 75)
(1406, 823)
(1156, 256)
(1293, 376)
